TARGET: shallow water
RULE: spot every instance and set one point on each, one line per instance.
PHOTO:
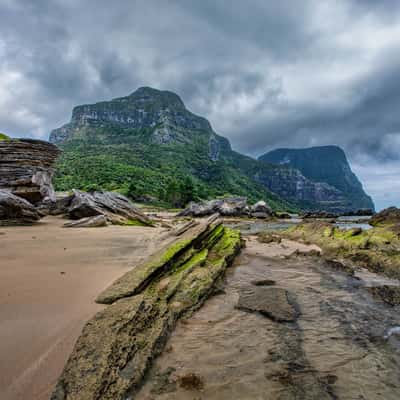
(252, 228)
(335, 350)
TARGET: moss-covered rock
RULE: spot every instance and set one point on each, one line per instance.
(117, 346)
(376, 249)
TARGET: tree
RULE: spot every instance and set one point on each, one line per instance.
(172, 193)
(188, 190)
(135, 190)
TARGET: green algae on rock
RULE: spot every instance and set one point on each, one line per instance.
(376, 249)
(119, 343)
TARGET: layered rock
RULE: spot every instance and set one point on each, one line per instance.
(228, 207)
(16, 210)
(27, 168)
(116, 208)
(88, 222)
(387, 216)
(118, 344)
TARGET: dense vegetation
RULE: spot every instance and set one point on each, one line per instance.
(129, 161)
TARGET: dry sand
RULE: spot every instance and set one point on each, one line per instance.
(49, 278)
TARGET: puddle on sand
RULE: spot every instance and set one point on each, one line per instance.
(335, 350)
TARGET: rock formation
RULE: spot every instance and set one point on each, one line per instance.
(118, 344)
(229, 207)
(27, 168)
(117, 209)
(88, 222)
(15, 210)
(389, 215)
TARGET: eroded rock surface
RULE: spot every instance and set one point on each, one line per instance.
(272, 302)
(16, 210)
(389, 294)
(229, 206)
(118, 345)
(89, 222)
(116, 208)
(26, 168)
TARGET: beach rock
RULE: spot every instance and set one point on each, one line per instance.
(16, 210)
(389, 215)
(61, 205)
(270, 301)
(268, 237)
(230, 206)
(118, 345)
(116, 208)
(319, 214)
(88, 222)
(26, 168)
(362, 212)
(388, 293)
(283, 215)
(339, 265)
(261, 210)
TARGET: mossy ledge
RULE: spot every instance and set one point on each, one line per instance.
(118, 344)
(376, 249)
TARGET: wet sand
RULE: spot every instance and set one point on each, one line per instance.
(49, 278)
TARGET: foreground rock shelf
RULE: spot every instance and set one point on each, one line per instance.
(118, 344)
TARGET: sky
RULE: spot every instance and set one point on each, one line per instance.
(267, 74)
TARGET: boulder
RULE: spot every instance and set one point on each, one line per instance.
(26, 168)
(16, 210)
(261, 210)
(88, 222)
(116, 208)
(230, 206)
(319, 214)
(389, 215)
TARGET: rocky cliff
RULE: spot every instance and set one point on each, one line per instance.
(149, 139)
(163, 112)
(27, 168)
(324, 165)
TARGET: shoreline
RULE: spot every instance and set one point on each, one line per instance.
(49, 279)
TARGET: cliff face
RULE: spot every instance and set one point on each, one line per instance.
(324, 165)
(150, 138)
(26, 168)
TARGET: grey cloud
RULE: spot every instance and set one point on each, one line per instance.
(267, 74)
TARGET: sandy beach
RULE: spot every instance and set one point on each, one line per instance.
(49, 278)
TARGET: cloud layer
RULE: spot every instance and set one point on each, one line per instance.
(266, 74)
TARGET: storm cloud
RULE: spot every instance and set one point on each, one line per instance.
(266, 74)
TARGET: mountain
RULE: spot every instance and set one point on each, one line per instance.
(323, 164)
(149, 146)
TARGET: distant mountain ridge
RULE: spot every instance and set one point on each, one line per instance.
(326, 164)
(149, 139)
